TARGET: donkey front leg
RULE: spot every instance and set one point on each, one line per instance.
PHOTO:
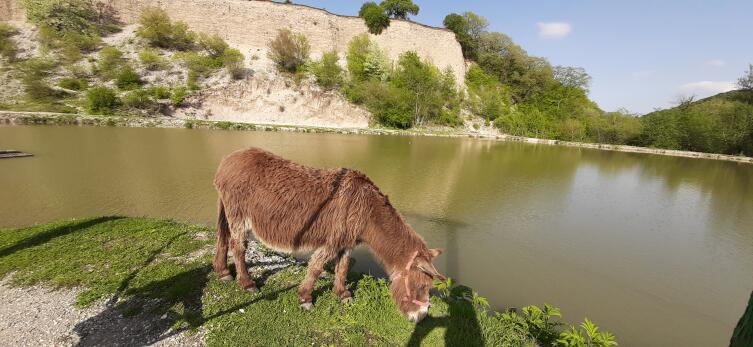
(239, 245)
(316, 265)
(341, 273)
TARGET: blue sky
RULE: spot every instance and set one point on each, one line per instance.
(641, 54)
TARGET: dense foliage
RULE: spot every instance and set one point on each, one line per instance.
(414, 93)
(157, 29)
(375, 17)
(719, 124)
(289, 50)
(399, 9)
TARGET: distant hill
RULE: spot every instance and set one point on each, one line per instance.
(722, 123)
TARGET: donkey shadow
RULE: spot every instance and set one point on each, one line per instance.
(461, 324)
(147, 316)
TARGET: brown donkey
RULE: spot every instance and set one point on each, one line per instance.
(290, 207)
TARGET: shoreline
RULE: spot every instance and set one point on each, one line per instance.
(50, 118)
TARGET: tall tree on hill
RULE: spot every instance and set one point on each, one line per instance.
(399, 8)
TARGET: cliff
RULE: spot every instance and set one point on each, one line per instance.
(249, 25)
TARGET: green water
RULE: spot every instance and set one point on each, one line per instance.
(658, 250)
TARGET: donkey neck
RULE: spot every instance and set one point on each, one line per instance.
(392, 240)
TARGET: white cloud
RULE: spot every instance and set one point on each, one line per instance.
(554, 30)
(716, 62)
(703, 89)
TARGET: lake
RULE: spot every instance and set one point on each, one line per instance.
(656, 249)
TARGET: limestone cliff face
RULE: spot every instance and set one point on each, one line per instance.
(251, 24)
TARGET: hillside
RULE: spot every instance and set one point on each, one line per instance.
(262, 95)
(722, 123)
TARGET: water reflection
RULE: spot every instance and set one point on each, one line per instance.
(657, 249)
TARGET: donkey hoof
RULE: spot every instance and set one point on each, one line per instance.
(347, 300)
(226, 278)
(252, 289)
(307, 306)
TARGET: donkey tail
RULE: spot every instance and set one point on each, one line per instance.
(223, 235)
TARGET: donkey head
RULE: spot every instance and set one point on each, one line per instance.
(410, 285)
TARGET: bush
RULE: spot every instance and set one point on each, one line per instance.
(151, 59)
(110, 60)
(289, 50)
(34, 71)
(327, 71)
(101, 100)
(73, 83)
(8, 47)
(159, 92)
(178, 96)
(232, 59)
(213, 45)
(128, 79)
(139, 99)
(157, 29)
(375, 17)
(200, 64)
(365, 59)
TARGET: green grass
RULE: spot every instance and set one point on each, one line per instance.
(133, 261)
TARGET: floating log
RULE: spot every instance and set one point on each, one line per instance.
(10, 153)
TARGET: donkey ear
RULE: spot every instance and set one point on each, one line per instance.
(429, 269)
(435, 252)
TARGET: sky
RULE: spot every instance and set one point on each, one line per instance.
(642, 55)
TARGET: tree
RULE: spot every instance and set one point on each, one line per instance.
(399, 9)
(746, 82)
(375, 17)
(459, 25)
(574, 77)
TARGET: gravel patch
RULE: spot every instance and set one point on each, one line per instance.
(40, 316)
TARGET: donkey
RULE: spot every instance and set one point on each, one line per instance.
(290, 207)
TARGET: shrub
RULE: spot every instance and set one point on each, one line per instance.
(33, 74)
(365, 60)
(128, 79)
(101, 100)
(327, 71)
(151, 59)
(138, 99)
(73, 83)
(289, 50)
(213, 45)
(200, 64)
(157, 29)
(8, 47)
(159, 92)
(399, 8)
(110, 59)
(178, 96)
(232, 59)
(375, 17)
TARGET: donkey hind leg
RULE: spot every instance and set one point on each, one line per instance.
(239, 245)
(341, 272)
(316, 265)
(223, 234)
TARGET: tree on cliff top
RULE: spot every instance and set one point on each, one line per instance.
(375, 17)
(399, 8)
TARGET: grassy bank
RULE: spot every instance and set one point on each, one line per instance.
(165, 267)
